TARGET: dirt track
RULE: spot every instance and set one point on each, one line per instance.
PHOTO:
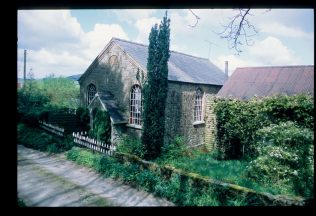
(51, 180)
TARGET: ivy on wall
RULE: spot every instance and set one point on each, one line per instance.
(238, 121)
(101, 129)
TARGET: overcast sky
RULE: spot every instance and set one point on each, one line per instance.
(65, 42)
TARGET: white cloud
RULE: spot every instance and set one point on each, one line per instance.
(268, 52)
(271, 51)
(43, 63)
(42, 27)
(144, 26)
(132, 15)
(96, 39)
(279, 29)
(57, 44)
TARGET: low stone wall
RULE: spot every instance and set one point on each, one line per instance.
(221, 188)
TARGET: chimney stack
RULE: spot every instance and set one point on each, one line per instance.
(226, 68)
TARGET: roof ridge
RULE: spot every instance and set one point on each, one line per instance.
(276, 66)
(114, 38)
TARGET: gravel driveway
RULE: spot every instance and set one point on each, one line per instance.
(51, 180)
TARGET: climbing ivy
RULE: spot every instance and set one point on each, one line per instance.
(101, 129)
(238, 120)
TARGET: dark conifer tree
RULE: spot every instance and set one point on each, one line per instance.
(156, 89)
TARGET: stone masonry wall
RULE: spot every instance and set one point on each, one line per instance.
(118, 79)
(210, 122)
(180, 110)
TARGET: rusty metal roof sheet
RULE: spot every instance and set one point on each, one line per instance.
(267, 81)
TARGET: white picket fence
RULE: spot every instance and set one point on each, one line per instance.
(52, 128)
(83, 140)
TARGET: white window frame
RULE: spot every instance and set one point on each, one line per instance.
(91, 91)
(198, 107)
(135, 117)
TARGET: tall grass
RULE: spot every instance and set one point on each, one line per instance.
(229, 171)
(180, 191)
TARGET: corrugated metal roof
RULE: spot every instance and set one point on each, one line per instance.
(181, 67)
(267, 81)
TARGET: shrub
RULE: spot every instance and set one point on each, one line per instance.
(101, 126)
(297, 108)
(21, 203)
(174, 150)
(238, 121)
(43, 141)
(147, 180)
(83, 116)
(132, 146)
(285, 157)
(73, 154)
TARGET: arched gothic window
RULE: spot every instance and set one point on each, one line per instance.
(198, 105)
(91, 91)
(135, 106)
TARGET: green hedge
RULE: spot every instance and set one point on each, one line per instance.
(238, 121)
(40, 140)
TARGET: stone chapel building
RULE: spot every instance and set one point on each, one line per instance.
(114, 81)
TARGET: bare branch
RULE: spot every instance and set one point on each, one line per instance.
(196, 17)
(239, 30)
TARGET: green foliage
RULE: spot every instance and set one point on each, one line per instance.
(155, 90)
(62, 92)
(174, 150)
(178, 188)
(101, 126)
(30, 103)
(83, 116)
(238, 121)
(21, 203)
(38, 98)
(132, 146)
(298, 108)
(286, 157)
(148, 180)
(40, 140)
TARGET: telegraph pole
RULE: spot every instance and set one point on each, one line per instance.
(24, 66)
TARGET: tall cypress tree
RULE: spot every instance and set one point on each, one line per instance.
(156, 89)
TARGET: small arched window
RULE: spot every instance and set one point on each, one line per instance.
(113, 61)
(135, 106)
(198, 105)
(91, 91)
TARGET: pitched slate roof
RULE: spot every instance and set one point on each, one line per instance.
(267, 81)
(181, 67)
